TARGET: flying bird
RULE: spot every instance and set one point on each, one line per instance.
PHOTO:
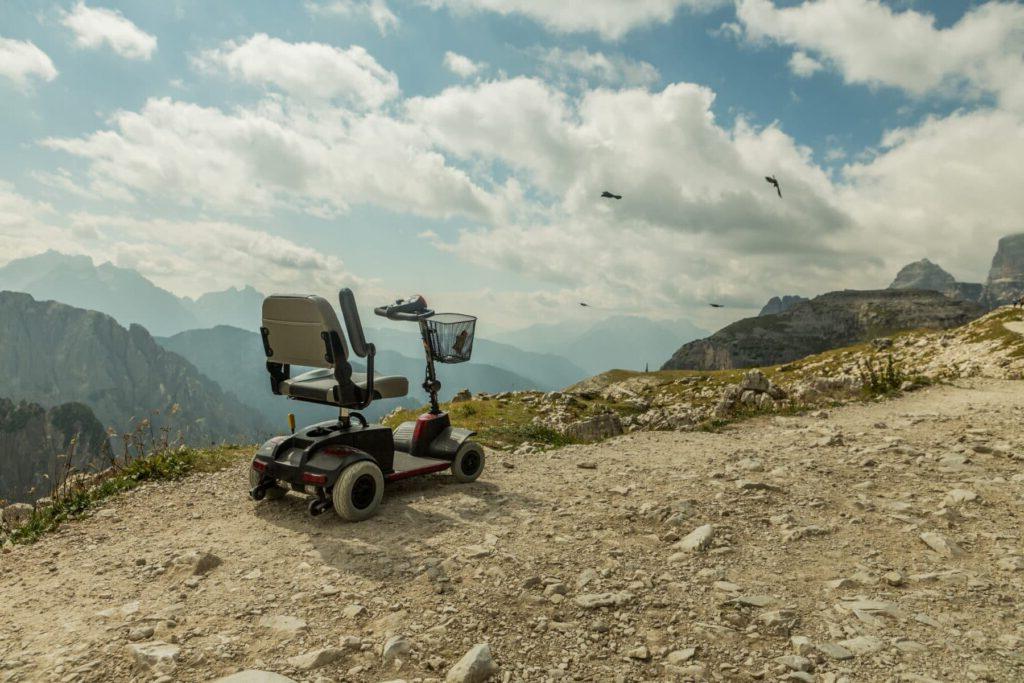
(717, 305)
(585, 305)
(608, 195)
(772, 181)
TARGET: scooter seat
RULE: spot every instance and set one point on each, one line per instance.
(318, 385)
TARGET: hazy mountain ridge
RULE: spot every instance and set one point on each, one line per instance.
(31, 439)
(129, 297)
(64, 353)
(126, 295)
(622, 341)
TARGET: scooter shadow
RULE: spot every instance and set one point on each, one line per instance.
(407, 528)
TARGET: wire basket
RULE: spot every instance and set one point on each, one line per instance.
(451, 337)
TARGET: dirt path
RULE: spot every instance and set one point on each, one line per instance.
(816, 563)
(1015, 326)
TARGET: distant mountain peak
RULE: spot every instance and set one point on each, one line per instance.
(923, 274)
(781, 304)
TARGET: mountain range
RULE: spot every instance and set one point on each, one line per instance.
(825, 322)
(552, 355)
(619, 342)
(54, 353)
(125, 295)
(234, 359)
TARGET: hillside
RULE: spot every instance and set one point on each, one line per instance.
(36, 444)
(828, 321)
(872, 541)
(66, 354)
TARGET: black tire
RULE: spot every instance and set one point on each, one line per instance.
(358, 491)
(468, 462)
(273, 493)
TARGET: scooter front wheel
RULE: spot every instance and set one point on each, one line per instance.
(358, 491)
(468, 462)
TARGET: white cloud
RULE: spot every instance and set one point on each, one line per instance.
(96, 26)
(612, 19)
(568, 66)
(949, 186)
(187, 257)
(319, 160)
(308, 71)
(377, 10)
(697, 221)
(21, 62)
(871, 44)
(460, 65)
(695, 203)
(803, 65)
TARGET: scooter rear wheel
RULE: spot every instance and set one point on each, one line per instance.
(358, 491)
(468, 462)
(273, 493)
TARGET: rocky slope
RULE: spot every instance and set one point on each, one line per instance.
(36, 443)
(65, 354)
(826, 322)
(1006, 278)
(924, 274)
(781, 304)
(876, 542)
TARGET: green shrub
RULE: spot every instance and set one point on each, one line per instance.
(881, 379)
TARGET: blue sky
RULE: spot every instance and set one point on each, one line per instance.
(312, 145)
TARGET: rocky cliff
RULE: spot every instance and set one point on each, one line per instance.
(1006, 278)
(35, 443)
(924, 274)
(826, 322)
(53, 353)
(781, 304)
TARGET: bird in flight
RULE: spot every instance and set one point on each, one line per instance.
(716, 305)
(585, 305)
(608, 195)
(772, 181)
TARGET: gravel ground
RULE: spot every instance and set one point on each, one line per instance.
(876, 542)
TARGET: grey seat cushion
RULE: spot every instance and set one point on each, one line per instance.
(318, 385)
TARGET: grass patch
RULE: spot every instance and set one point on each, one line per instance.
(992, 329)
(165, 465)
(498, 424)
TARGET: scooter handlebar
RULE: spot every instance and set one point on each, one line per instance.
(413, 309)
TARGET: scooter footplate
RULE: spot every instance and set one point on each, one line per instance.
(403, 436)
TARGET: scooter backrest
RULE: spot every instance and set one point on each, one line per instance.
(302, 330)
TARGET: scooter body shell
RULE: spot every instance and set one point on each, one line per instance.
(431, 436)
(324, 450)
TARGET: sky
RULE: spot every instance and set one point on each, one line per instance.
(458, 148)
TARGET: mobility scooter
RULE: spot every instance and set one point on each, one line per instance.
(345, 463)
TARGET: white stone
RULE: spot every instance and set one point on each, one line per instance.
(476, 666)
(698, 539)
(316, 659)
(154, 655)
